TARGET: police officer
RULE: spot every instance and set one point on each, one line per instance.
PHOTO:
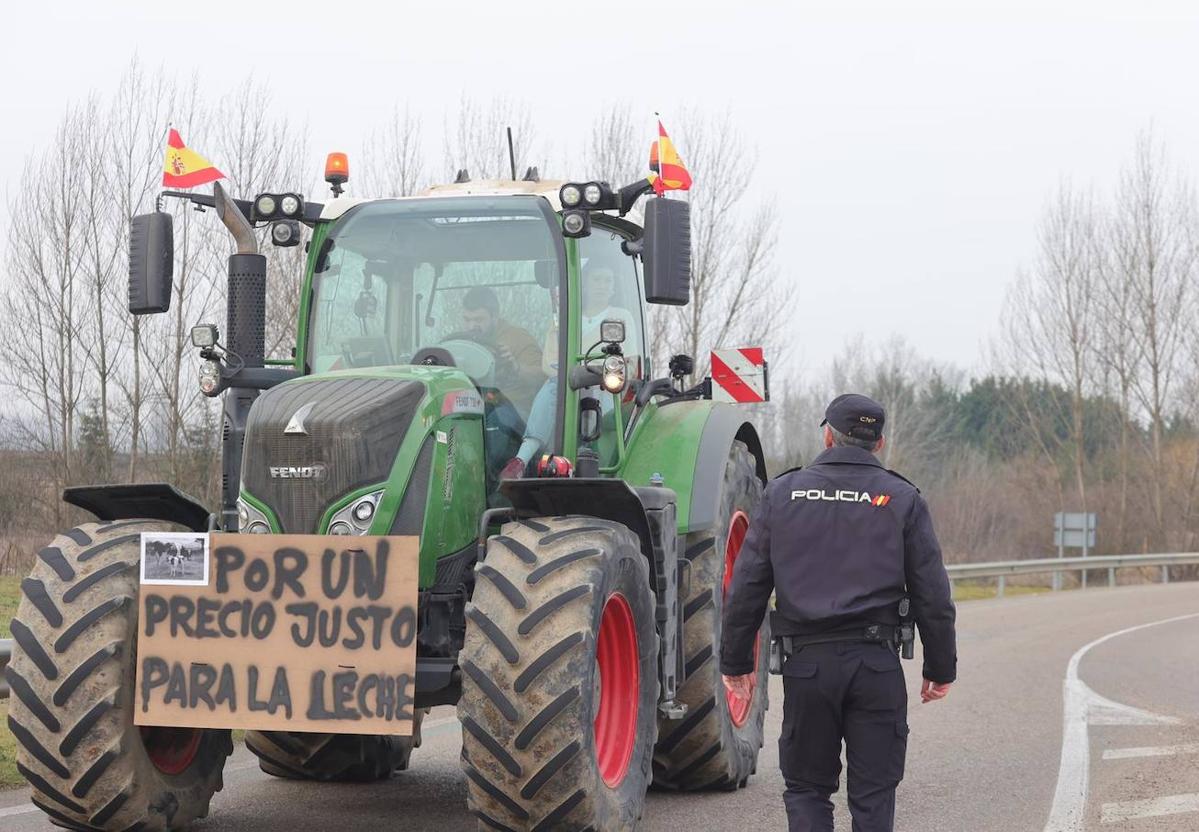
(842, 544)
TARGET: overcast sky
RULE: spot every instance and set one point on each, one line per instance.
(911, 146)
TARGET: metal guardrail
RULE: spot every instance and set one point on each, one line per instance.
(1001, 570)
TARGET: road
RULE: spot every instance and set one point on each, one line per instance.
(987, 758)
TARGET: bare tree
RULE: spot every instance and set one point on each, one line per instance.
(393, 161)
(737, 295)
(476, 138)
(1049, 329)
(1118, 360)
(137, 125)
(1154, 251)
(50, 352)
(616, 152)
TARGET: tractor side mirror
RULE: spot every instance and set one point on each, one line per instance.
(151, 262)
(666, 252)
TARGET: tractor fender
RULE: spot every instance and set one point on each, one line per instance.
(610, 499)
(688, 444)
(146, 501)
(725, 425)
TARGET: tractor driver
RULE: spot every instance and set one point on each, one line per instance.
(517, 356)
(598, 286)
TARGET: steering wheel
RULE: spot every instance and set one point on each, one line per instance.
(467, 351)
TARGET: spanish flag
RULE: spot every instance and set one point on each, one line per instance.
(184, 167)
(669, 173)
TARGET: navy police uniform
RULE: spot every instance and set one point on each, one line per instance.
(841, 543)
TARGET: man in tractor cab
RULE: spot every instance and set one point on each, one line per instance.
(598, 285)
(849, 550)
(518, 359)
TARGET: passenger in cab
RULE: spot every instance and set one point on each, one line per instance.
(598, 287)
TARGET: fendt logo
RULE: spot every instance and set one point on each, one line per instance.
(842, 496)
(316, 471)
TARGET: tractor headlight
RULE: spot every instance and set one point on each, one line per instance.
(613, 374)
(364, 510)
(210, 378)
(250, 520)
(592, 193)
(570, 195)
(612, 332)
(357, 516)
(264, 206)
(573, 223)
(290, 205)
(285, 233)
(576, 223)
(204, 335)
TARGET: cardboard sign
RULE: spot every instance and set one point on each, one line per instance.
(289, 633)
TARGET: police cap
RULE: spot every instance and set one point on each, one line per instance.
(855, 415)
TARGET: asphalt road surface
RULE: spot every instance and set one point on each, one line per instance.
(993, 756)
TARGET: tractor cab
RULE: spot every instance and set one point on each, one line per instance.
(472, 284)
(482, 278)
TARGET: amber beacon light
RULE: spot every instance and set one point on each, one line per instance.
(337, 171)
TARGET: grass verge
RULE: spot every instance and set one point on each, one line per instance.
(9, 777)
(10, 596)
(963, 591)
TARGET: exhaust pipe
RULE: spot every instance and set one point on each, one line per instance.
(245, 321)
(245, 340)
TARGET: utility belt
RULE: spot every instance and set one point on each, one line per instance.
(899, 637)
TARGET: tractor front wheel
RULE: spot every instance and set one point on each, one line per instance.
(355, 758)
(72, 678)
(560, 681)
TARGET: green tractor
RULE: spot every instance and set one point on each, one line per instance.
(578, 519)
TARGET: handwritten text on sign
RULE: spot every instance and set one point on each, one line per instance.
(292, 633)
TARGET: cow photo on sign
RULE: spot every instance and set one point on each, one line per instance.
(175, 558)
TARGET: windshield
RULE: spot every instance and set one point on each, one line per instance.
(415, 281)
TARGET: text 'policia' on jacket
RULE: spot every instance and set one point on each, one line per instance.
(840, 543)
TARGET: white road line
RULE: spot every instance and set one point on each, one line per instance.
(1082, 706)
(1174, 804)
(1150, 751)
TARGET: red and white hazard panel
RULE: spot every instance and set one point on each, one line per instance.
(739, 376)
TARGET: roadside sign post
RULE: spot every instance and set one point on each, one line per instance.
(1074, 530)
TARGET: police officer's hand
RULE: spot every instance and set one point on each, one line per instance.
(741, 686)
(932, 691)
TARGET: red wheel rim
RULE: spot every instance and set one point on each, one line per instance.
(617, 661)
(171, 750)
(738, 527)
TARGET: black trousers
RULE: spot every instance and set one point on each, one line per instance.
(852, 692)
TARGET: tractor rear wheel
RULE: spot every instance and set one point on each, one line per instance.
(72, 678)
(559, 678)
(716, 744)
(352, 758)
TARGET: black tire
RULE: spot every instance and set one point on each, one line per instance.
(73, 694)
(706, 749)
(531, 687)
(355, 758)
